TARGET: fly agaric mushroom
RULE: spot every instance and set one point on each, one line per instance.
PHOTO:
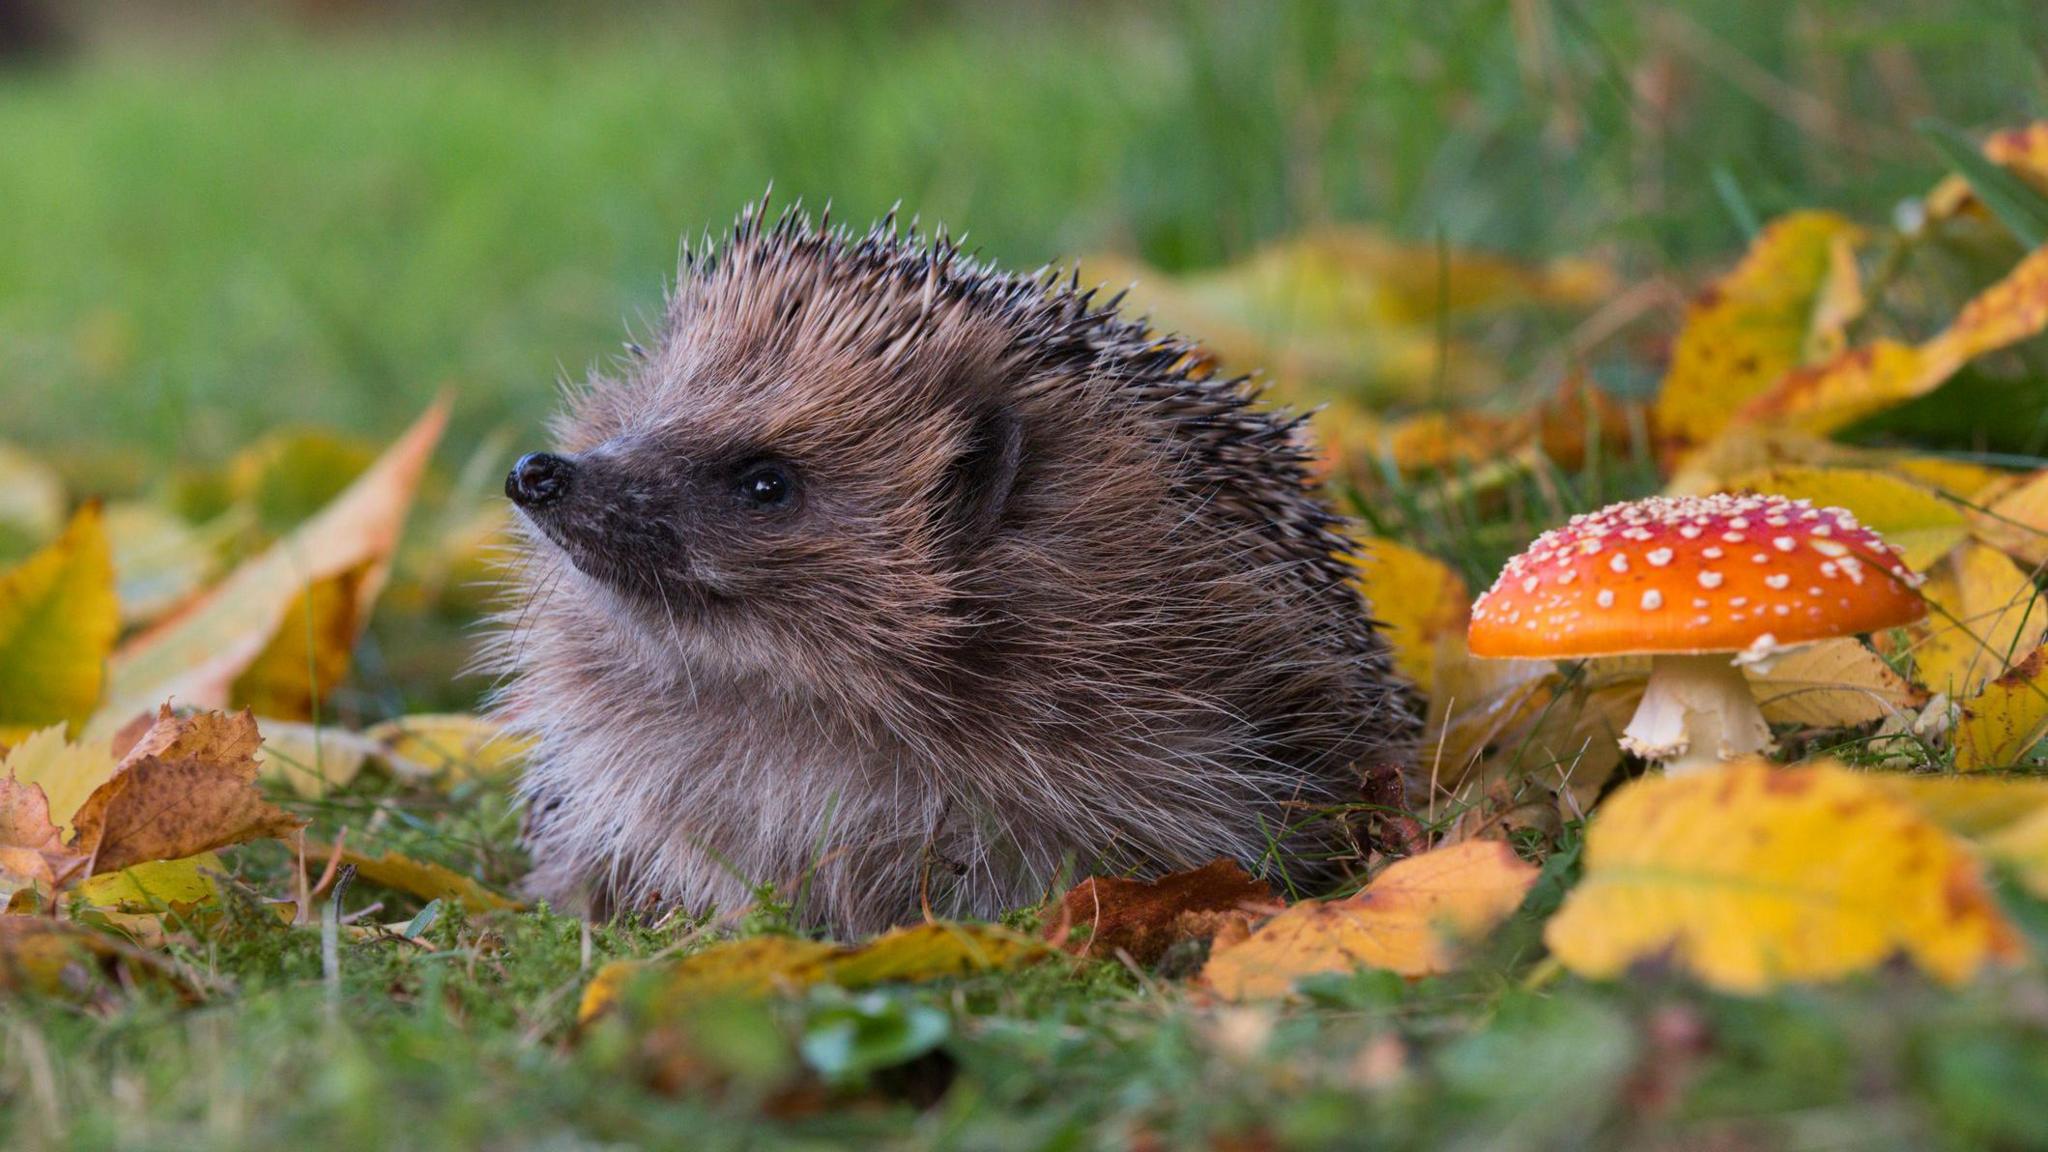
(1688, 580)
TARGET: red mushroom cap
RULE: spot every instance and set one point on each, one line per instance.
(1694, 574)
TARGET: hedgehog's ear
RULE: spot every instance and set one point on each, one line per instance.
(979, 482)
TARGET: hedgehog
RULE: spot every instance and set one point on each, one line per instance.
(902, 586)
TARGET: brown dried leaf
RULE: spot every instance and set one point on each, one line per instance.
(32, 852)
(1103, 915)
(188, 786)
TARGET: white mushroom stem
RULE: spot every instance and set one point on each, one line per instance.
(1696, 712)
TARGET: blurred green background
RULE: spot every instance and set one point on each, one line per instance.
(230, 217)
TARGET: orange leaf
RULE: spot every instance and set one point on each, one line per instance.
(1416, 919)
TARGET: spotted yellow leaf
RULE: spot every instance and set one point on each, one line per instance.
(1910, 516)
(2004, 724)
(2016, 521)
(1984, 614)
(1755, 876)
(1886, 373)
(1764, 318)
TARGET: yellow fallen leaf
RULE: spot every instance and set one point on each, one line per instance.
(933, 951)
(178, 886)
(755, 966)
(1984, 613)
(1970, 806)
(195, 654)
(67, 773)
(58, 620)
(2016, 523)
(50, 957)
(1754, 876)
(1753, 325)
(1349, 311)
(763, 965)
(160, 561)
(309, 653)
(2006, 817)
(187, 787)
(1906, 514)
(422, 878)
(1507, 719)
(1417, 918)
(1832, 684)
(448, 746)
(1418, 599)
(313, 760)
(1886, 373)
(31, 498)
(2005, 722)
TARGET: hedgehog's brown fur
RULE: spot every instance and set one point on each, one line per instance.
(1051, 600)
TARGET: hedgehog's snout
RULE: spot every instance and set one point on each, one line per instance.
(539, 479)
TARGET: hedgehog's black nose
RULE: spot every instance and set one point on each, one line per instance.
(538, 479)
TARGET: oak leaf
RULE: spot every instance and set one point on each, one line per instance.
(1754, 876)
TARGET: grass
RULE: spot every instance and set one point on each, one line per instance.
(265, 227)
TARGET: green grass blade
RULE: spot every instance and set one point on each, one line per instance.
(2022, 210)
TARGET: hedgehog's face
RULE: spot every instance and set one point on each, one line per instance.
(775, 529)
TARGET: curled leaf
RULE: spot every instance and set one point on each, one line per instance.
(187, 787)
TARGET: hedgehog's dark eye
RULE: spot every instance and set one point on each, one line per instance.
(767, 485)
